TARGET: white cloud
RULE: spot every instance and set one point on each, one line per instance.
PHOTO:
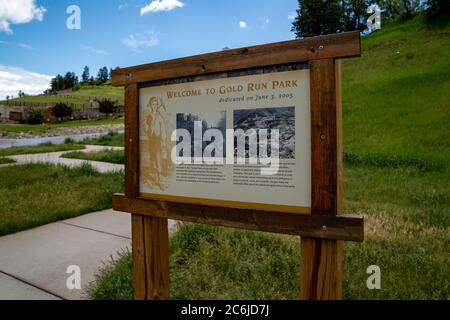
(95, 50)
(292, 15)
(123, 6)
(3, 42)
(139, 41)
(25, 46)
(18, 12)
(265, 23)
(13, 79)
(161, 5)
(242, 24)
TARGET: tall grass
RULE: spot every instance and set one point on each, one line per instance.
(111, 156)
(216, 263)
(112, 139)
(35, 194)
(6, 161)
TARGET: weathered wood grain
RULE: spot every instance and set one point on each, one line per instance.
(323, 137)
(321, 262)
(150, 251)
(156, 239)
(132, 140)
(138, 253)
(321, 269)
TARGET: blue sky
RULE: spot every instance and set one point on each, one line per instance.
(34, 37)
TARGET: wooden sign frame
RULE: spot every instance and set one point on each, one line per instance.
(322, 231)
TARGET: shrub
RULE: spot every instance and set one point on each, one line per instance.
(61, 110)
(35, 116)
(106, 106)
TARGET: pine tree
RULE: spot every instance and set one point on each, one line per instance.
(317, 17)
(70, 80)
(401, 8)
(85, 76)
(57, 83)
(102, 75)
(354, 15)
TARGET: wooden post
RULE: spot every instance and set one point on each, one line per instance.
(150, 240)
(150, 237)
(321, 261)
(132, 158)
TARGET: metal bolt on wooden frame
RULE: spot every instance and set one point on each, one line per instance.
(322, 231)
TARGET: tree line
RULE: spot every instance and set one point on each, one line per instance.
(70, 79)
(318, 17)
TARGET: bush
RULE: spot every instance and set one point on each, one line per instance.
(106, 106)
(35, 116)
(61, 110)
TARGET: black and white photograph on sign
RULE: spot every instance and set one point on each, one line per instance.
(281, 118)
(209, 121)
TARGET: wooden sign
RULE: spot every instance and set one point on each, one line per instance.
(191, 125)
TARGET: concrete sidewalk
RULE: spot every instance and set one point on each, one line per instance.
(33, 263)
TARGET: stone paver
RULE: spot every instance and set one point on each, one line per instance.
(55, 158)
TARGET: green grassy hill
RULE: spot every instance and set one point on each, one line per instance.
(77, 99)
(396, 97)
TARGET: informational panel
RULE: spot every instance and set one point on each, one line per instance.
(222, 125)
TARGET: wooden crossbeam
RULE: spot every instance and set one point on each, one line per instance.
(340, 45)
(342, 227)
